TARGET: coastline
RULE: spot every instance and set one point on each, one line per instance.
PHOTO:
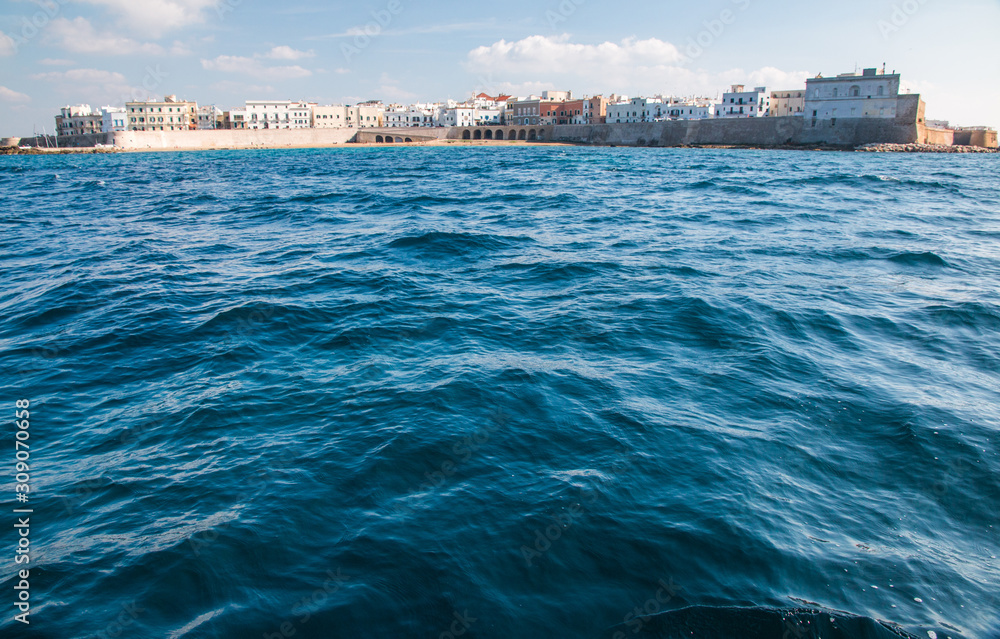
(871, 148)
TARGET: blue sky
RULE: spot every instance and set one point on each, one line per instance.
(57, 52)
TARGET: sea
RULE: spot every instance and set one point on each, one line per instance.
(508, 392)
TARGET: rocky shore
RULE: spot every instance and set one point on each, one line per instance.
(14, 150)
(922, 148)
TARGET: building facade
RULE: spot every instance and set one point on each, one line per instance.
(278, 114)
(690, 109)
(522, 111)
(169, 115)
(870, 94)
(740, 103)
(234, 119)
(637, 110)
(785, 103)
(113, 119)
(209, 117)
(78, 120)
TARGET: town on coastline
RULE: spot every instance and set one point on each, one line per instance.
(854, 109)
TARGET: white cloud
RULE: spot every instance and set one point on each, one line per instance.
(56, 62)
(7, 45)
(82, 76)
(288, 53)
(556, 54)
(632, 66)
(9, 95)
(254, 67)
(79, 36)
(96, 85)
(156, 17)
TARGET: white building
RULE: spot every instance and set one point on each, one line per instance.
(414, 115)
(278, 114)
(113, 119)
(637, 110)
(870, 94)
(463, 115)
(209, 117)
(692, 109)
(740, 103)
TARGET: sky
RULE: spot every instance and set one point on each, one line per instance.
(224, 52)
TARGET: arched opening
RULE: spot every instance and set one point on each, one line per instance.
(523, 135)
(855, 91)
(388, 139)
(836, 92)
(541, 134)
(399, 140)
(409, 140)
(532, 135)
(499, 135)
(478, 135)
(379, 139)
(489, 134)
(466, 135)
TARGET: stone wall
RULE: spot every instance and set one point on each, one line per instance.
(777, 131)
(231, 139)
(62, 142)
(985, 138)
(930, 135)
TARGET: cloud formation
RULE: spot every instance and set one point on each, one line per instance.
(288, 53)
(7, 45)
(9, 95)
(254, 67)
(646, 67)
(156, 17)
(79, 36)
(556, 54)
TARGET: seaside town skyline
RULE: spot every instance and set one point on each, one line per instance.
(111, 52)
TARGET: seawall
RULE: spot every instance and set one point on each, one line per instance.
(231, 139)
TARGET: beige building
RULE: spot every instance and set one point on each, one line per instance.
(368, 115)
(788, 102)
(234, 119)
(169, 115)
(329, 117)
(362, 116)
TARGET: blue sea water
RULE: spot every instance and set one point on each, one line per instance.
(508, 392)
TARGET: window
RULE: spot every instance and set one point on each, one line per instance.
(835, 92)
(855, 92)
(880, 91)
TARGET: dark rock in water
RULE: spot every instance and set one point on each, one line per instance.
(702, 622)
